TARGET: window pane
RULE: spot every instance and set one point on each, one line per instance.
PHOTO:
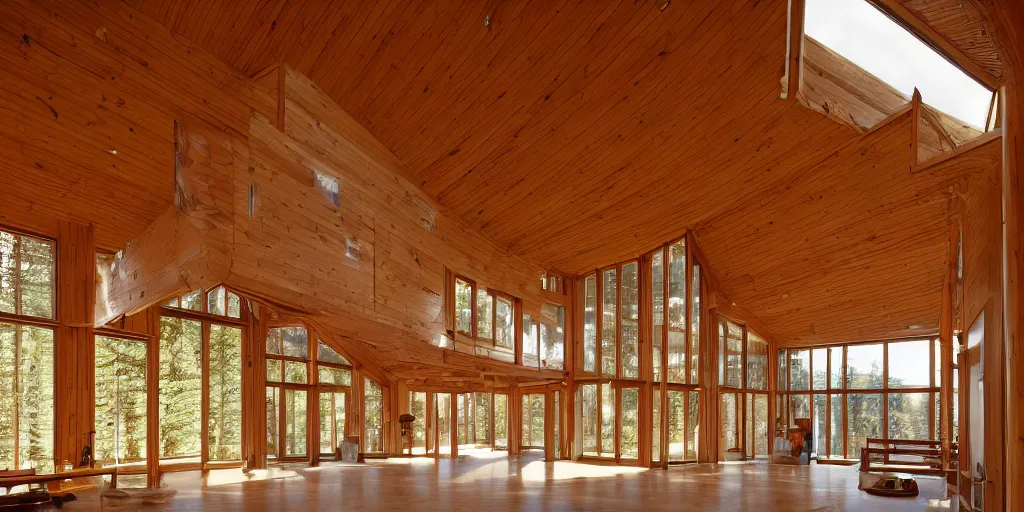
(607, 420)
(463, 307)
(819, 360)
(863, 420)
(864, 368)
(731, 345)
(273, 423)
(609, 301)
(657, 310)
(288, 341)
(9, 243)
(590, 325)
(552, 341)
(295, 422)
(836, 427)
(820, 413)
(629, 321)
(695, 325)
(676, 370)
(799, 370)
(374, 416)
(799, 408)
(910, 364)
(215, 301)
(443, 411)
(677, 286)
(224, 429)
(530, 341)
(120, 412)
(692, 420)
(835, 379)
(31, 394)
(504, 329)
(629, 441)
(757, 362)
(537, 421)
(909, 415)
(589, 413)
(274, 367)
(332, 423)
(676, 425)
(482, 418)
(192, 300)
(327, 354)
(181, 391)
(334, 376)
(729, 422)
(656, 425)
(783, 373)
(484, 305)
(296, 372)
(36, 276)
(234, 305)
(761, 426)
(501, 422)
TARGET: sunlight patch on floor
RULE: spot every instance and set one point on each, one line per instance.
(542, 472)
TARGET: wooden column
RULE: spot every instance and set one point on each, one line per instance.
(1013, 269)
(515, 420)
(74, 358)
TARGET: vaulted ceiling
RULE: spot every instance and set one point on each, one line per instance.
(578, 134)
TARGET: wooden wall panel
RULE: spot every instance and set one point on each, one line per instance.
(91, 91)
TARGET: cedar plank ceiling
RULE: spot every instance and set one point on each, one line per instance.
(581, 133)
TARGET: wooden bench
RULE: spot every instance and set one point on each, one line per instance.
(926, 456)
(9, 479)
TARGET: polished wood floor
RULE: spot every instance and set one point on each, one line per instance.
(498, 483)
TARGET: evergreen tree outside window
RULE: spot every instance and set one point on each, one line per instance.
(121, 407)
(26, 404)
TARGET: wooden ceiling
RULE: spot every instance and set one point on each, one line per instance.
(574, 134)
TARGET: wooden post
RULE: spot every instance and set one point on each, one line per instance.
(74, 360)
(1013, 269)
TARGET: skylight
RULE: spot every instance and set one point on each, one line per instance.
(867, 37)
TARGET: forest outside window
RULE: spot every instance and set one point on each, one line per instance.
(552, 336)
(217, 301)
(287, 361)
(856, 391)
(675, 319)
(26, 275)
(373, 416)
(26, 405)
(531, 342)
(200, 388)
(121, 401)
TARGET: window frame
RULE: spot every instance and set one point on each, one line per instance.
(783, 396)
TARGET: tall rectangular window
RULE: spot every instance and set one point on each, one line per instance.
(609, 305)
(552, 336)
(531, 342)
(590, 324)
(120, 412)
(629, 321)
(655, 424)
(501, 422)
(589, 413)
(484, 320)
(629, 433)
(373, 415)
(730, 340)
(26, 275)
(677, 305)
(657, 310)
(695, 325)
(224, 426)
(504, 329)
(463, 307)
(757, 362)
(181, 390)
(26, 403)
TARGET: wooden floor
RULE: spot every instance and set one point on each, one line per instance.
(497, 483)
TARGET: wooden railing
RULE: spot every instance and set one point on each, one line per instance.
(903, 455)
